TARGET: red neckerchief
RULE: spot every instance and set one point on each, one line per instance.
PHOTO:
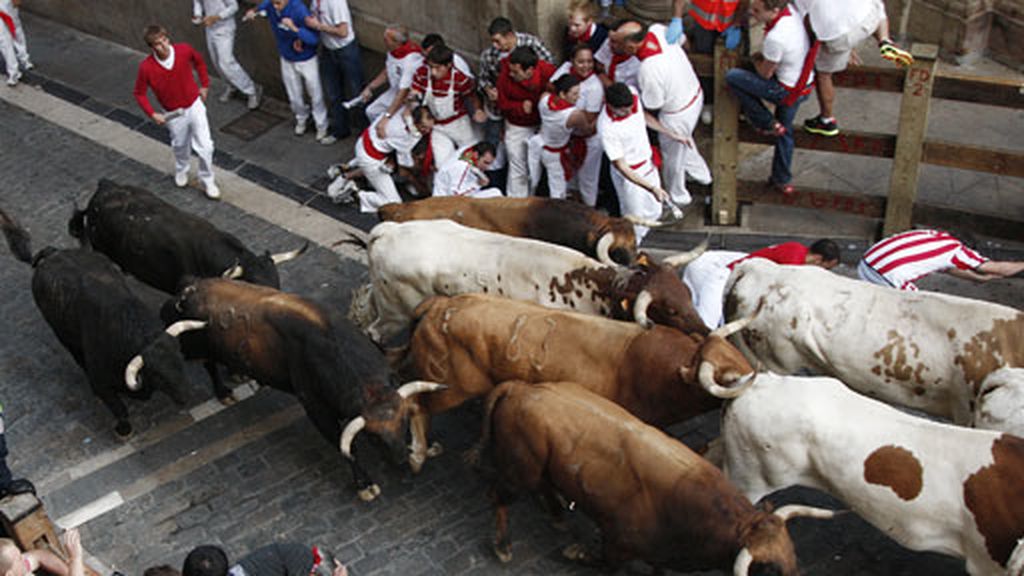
(555, 103)
(535, 83)
(585, 37)
(616, 60)
(406, 49)
(579, 77)
(9, 22)
(317, 559)
(428, 157)
(649, 47)
(784, 12)
(633, 110)
(470, 156)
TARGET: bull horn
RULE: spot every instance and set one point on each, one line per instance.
(131, 373)
(799, 510)
(743, 561)
(706, 376)
(643, 301)
(182, 326)
(349, 434)
(290, 255)
(685, 258)
(644, 221)
(233, 273)
(732, 327)
(603, 244)
(418, 386)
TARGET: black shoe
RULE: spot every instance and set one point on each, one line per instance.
(822, 127)
(19, 486)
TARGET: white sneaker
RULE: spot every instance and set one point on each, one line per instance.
(226, 96)
(300, 128)
(13, 80)
(340, 190)
(27, 65)
(212, 191)
(181, 179)
(707, 114)
(254, 98)
(325, 138)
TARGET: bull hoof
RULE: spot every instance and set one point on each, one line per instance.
(435, 450)
(416, 462)
(471, 457)
(575, 552)
(504, 553)
(370, 493)
(228, 400)
(123, 430)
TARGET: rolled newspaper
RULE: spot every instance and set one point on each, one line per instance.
(350, 104)
(172, 114)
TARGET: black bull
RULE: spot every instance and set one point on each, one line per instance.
(294, 345)
(114, 337)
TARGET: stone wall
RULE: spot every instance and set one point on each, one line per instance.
(964, 29)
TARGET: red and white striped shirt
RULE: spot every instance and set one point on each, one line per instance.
(905, 257)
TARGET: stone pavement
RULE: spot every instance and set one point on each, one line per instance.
(258, 471)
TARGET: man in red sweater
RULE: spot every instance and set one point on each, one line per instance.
(168, 72)
(521, 81)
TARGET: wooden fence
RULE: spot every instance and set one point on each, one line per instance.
(908, 147)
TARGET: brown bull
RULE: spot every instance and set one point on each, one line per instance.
(295, 345)
(652, 497)
(474, 342)
(608, 239)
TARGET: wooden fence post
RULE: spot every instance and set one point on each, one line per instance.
(725, 141)
(906, 166)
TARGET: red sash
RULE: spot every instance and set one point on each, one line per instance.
(370, 149)
(406, 49)
(802, 88)
(10, 23)
(571, 156)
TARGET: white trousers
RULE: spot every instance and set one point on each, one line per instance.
(445, 139)
(220, 41)
(634, 200)
(381, 104)
(384, 190)
(8, 52)
(706, 278)
(192, 129)
(678, 159)
(552, 162)
(589, 175)
(306, 73)
(516, 148)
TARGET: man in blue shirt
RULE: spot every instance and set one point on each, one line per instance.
(297, 44)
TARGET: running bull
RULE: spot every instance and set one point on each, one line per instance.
(652, 497)
(118, 341)
(294, 345)
(474, 342)
(929, 486)
(952, 357)
(562, 222)
(412, 261)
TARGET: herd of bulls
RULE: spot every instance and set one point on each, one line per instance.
(582, 349)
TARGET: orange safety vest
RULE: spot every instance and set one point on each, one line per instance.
(714, 15)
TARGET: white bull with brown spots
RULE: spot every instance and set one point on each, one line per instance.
(952, 357)
(412, 261)
(929, 486)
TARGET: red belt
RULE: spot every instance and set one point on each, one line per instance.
(690, 103)
(556, 150)
(370, 149)
(448, 120)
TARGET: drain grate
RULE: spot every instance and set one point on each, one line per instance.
(252, 124)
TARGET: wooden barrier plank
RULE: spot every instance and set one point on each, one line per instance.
(950, 219)
(887, 79)
(980, 158)
(847, 142)
(725, 143)
(906, 166)
(817, 198)
(991, 90)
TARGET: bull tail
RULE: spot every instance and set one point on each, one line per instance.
(357, 241)
(493, 399)
(18, 239)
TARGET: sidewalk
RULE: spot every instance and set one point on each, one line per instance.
(99, 75)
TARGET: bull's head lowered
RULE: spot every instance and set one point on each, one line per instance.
(261, 270)
(385, 414)
(660, 296)
(767, 547)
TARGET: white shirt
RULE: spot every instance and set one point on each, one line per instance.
(553, 130)
(401, 70)
(624, 137)
(787, 44)
(667, 80)
(625, 71)
(461, 65)
(591, 89)
(226, 9)
(334, 12)
(831, 19)
(400, 137)
(456, 177)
